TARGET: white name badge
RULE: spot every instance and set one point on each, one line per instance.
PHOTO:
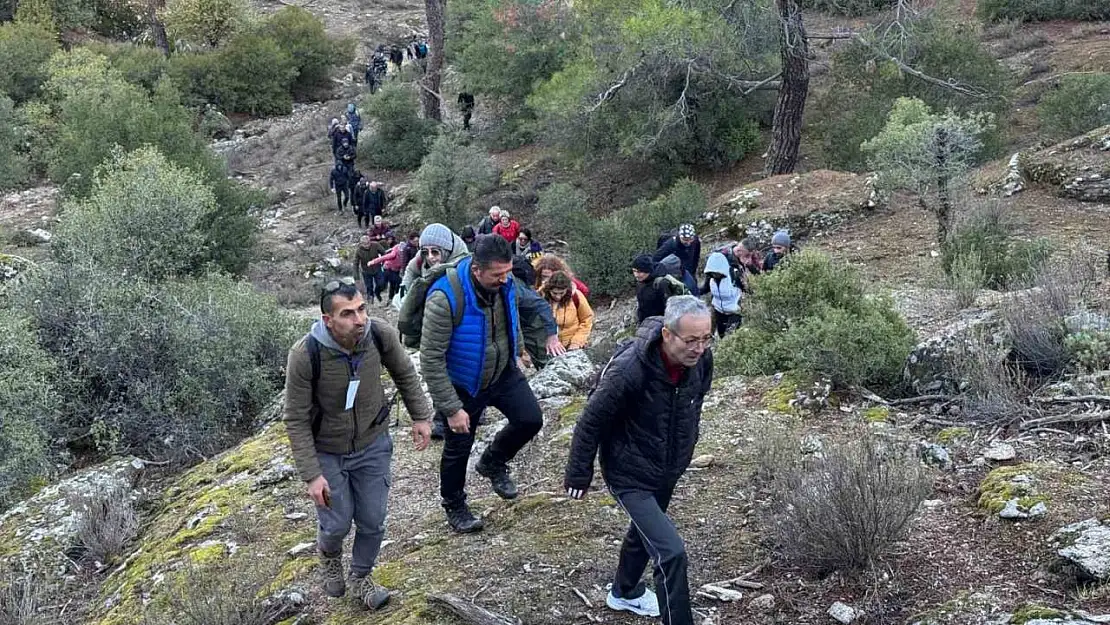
(352, 390)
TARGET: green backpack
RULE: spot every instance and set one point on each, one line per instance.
(410, 321)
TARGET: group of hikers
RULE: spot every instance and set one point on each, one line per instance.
(480, 305)
(366, 197)
(377, 67)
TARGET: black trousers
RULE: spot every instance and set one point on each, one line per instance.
(342, 197)
(652, 536)
(393, 279)
(725, 322)
(513, 397)
(363, 217)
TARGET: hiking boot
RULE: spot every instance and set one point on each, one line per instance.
(369, 592)
(498, 475)
(331, 566)
(646, 604)
(463, 521)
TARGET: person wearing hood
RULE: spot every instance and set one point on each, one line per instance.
(337, 419)
(437, 245)
(642, 423)
(507, 228)
(489, 221)
(526, 246)
(781, 247)
(468, 235)
(724, 292)
(654, 286)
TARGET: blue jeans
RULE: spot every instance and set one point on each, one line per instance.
(359, 484)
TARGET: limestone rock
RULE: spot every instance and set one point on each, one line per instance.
(930, 368)
(1000, 452)
(763, 603)
(1015, 511)
(703, 461)
(566, 375)
(721, 593)
(302, 549)
(1086, 545)
(1078, 169)
(935, 455)
(843, 613)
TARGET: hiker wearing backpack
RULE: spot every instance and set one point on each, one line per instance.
(354, 120)
(340, 183)
(654, 286)
(339, 134)
(686, 245)
(572, 311)
(487, 224)
(546, 267)
(437, 245)
(524, 245)
(781, 247)
(723, 287)
(337, 418)
(642, 423)
(371, 273)
(469, 346)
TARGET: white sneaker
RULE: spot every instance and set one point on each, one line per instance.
(646, 604)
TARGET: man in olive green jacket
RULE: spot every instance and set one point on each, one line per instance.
(337, 418)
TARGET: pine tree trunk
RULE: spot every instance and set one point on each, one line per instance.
(157, 26)
(436, 11)
(786, 132)
(944, 200)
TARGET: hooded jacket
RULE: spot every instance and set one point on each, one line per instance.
(725, 294)
(417, 268)
(642, 425)
(345, 431)
(651, 300)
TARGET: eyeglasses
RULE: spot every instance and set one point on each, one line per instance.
(335, 285)
(695, 341)
(431, 251)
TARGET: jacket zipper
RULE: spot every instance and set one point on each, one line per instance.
(673, 445)
(354, 409)
(493, 333)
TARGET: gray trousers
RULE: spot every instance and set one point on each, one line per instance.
(359, 485)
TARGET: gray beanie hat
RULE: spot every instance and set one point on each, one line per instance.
(437, 235)
(781, 237)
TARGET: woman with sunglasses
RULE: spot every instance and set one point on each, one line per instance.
(438, 245)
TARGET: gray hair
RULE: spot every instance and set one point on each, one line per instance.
(680, 306)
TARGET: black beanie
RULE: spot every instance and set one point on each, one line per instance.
(643, 263)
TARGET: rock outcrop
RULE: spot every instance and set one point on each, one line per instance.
(1078, 169)
(931, 367)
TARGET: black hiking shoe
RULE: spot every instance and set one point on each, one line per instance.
(498, 475)
(462, 520)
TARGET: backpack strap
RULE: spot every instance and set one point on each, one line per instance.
(313, 347)
(460, 296)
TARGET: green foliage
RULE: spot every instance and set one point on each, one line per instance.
(1078, 103)
(849, 8)
(601, 249)
(28, 397)
(139, 65)
(145, 217)
(811, 315)
(301, 35)
(173, 369)
(118, 19)
(251, 74)
(24, 52)
(400, 136)
(556, 203)
(867, 85)
(1005, 260)
(14, 167)
(1041, 10)
(450, 180)
(205, 22)
(966, 277)
(1090, 350)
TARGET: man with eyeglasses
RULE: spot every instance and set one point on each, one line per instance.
(643, 418)
(337, 419)
(469, 361)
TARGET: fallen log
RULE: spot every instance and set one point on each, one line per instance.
(467, 611)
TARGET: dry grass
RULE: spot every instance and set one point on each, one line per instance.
(22, 600)
(231, 594)
(106, 522)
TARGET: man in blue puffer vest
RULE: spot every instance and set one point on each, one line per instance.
(473, 365)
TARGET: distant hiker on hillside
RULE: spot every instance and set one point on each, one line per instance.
(377, 68)
(340, 183)
(418, 52)
(358, 199)
(546, 267)
(642, 421)
(654, 286)
(781, 247)
(487, 224)
(524, 245)
(373, 281)
(471, 364)
(396, 57)
(337, 418)
(380, 230)
(571, 309)
(466, 106)
(723, 284)
(354, 120)
(507, 228)
(376, 199)
(340, 135)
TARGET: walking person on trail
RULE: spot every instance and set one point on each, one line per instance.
(642, 420)
(723, 283)
(354, 121)
(654, 286)
(507, 228)
(346, 153)
(687, 247)
(437, 245)
(524, 245)
(396, 57)
(373, 282)
(470, 343)
(537, 320)
(376, 199)
(572, 311)
(339, 134)
(393, 263)
(781, 247)
(466, 107)
(487, 224)
(340, 183)
(546, 267)
(337, 418)
(380, 230)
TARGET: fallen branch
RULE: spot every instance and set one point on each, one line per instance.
(583, 597)
(467, 611)
(1077, 399)
(921, 399)
(1087, 417)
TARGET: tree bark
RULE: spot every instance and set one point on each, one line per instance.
(436, 11)
(157, 26)
(467, 611)
(944, 200)
(786, 130)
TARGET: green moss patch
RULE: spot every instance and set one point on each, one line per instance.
(1012, 482)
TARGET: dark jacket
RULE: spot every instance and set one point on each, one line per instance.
(643, 427)
(486, 225)
(364, 255)
(772, 260)
(346, 154)
(374, 201)
(358, 192)
(345, 431)
(690, 255)
(337, 139)
(537, 321)
(355, 120)
(340, 178)
(651, 301)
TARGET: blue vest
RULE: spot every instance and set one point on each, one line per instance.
(466, 355)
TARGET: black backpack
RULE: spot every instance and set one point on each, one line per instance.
(665, 236)
(313, 347)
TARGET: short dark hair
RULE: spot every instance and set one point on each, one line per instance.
(751, 244)
(491, 248)
(348, 291)
(413, 235)
(527, 232)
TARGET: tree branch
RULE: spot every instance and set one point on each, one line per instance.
(614, 88)
(949, 84)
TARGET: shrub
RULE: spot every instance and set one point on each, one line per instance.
(811, 315)
(1078, 103)
(450, 180)
(1040, 10)
(301, 35)
(849, 8)
(106, 521)
(990, 235)
(555, 204)
(24, 52)
(966, 278)
(22, 599)
(28, 398)
(14, 167)
(232, 593)
(399, 136)
(847, 509)
(139, 65)
(205, 22)
(118, 19)
(1090, 350)
(990, 391)
(177, 369)
(255, 76)
(145, 218)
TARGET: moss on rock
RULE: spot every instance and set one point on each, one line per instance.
(1011, 482)
(949, 435)
(1033, 611)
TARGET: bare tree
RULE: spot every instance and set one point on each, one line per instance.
(436, 11)
(786, 129)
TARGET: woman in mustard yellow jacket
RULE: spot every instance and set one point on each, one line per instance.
(572, 312)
